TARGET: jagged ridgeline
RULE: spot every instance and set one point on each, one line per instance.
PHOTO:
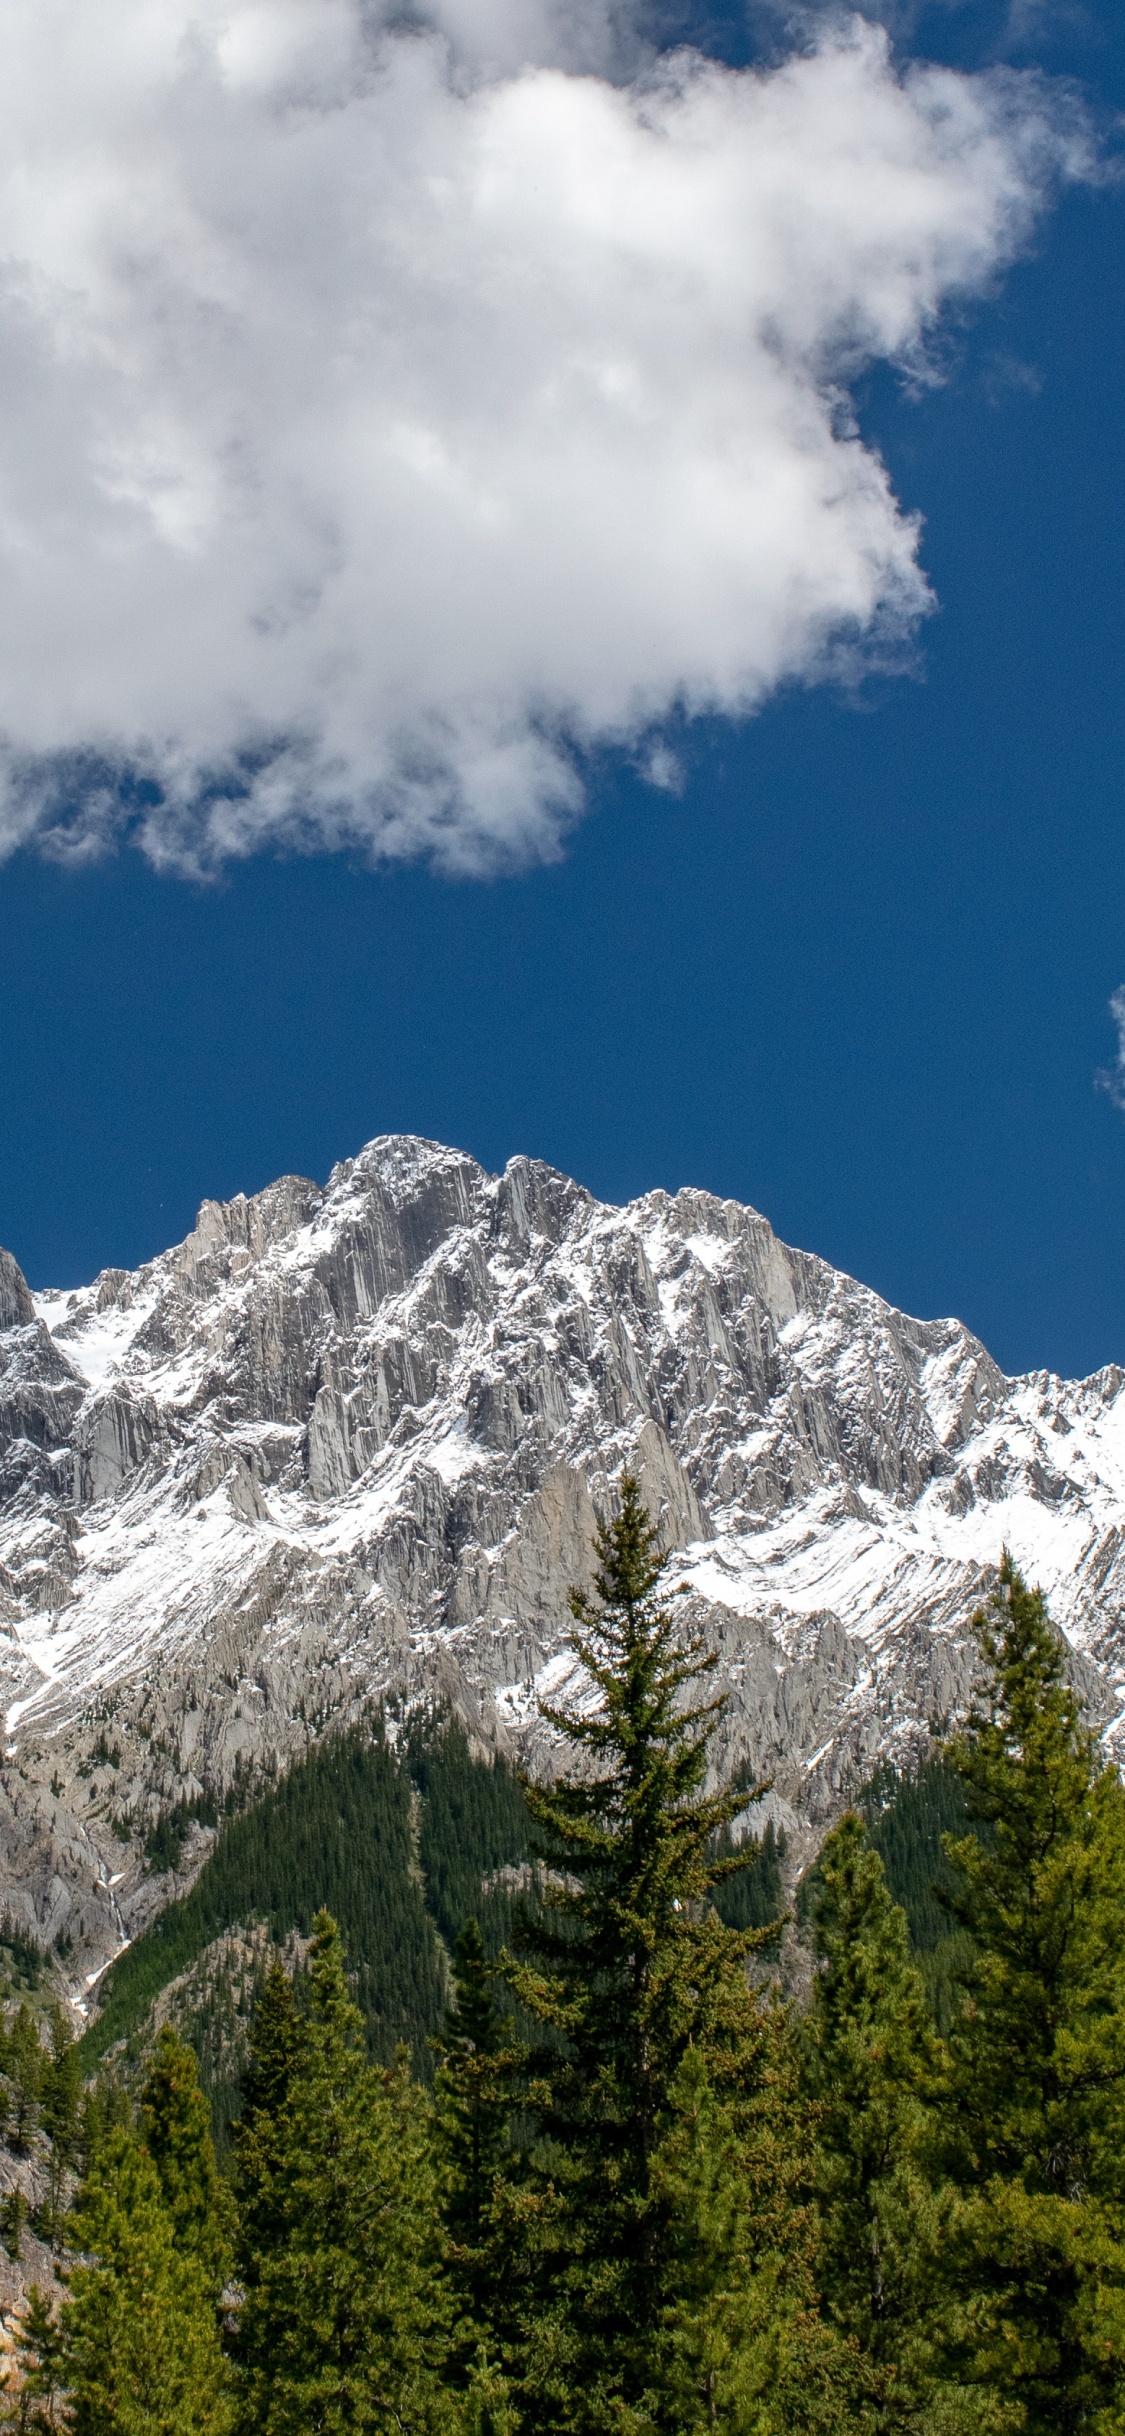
(401, 1841)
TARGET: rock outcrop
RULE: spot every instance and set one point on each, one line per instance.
(347, 1444)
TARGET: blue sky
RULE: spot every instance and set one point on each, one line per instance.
(855, 972)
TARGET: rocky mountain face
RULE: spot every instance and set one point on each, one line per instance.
(348, 1442)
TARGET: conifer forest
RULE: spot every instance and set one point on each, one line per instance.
(458, 2104)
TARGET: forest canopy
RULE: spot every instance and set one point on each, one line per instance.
(631, 2185)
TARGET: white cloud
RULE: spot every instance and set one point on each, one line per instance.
(1112, 1078)
(388, 416)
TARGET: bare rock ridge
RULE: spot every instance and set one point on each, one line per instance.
(348, 1441)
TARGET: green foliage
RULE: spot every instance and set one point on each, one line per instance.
(653, 2201)
(487, 2408)
(628, 1965)
(31, 2395)
(740, 2345)
(213, 2009)
(100, 1755)
(345, 2320)
(61, 2119)
(165, 1841)
(276, 2045)
(13, 2221)
(619, 1960)
(473, 1824)
(1035, 2118)
(336, 1830)
(175, 2126)
(139, 2350)
(23, 1961)
(25, 2064)
(277, 2042)
(479, 2058)
(106, 2108)
(871, 2068)
(907, 1817)
(754, 1898)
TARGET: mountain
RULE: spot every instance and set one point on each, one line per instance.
(346, 1443)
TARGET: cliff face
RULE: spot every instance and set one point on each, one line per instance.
(349, 1441)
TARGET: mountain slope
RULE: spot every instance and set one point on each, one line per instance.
(347, 1442)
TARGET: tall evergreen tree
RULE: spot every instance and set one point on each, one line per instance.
(276, 2034)
(345, 2321)
(629, 1970)
(478, 2056)
(262, 2131)
(14, 2219)
(106, 2107)
(175, 2125)
(26, 2066)
(138, 2348)
(1037, 2091)
(61, 2120)
(871, 2068)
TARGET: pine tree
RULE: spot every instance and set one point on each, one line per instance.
(139, 2352)
(345, 2321)
(32, 2390)
(106, 2107)
(473, 2094)
(175, 2126)
(25, 2066)
(61, 2118)
(754, 1899)
(275, 2047)
(479, 2059)
(629, 1970)
(871, 2067)
(261, 2133)
(487, 2408)
(1036, 2118)
(15, 2218)
(741, 2346)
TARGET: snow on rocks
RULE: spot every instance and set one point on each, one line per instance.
(347, 1443)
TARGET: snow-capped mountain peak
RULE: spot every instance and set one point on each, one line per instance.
(349, 1441)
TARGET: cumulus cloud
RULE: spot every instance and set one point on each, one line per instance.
(390, 414)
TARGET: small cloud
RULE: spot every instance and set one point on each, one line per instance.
(662, 768)
(1004, 374)
(1112, 1078)
(1032, 23)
